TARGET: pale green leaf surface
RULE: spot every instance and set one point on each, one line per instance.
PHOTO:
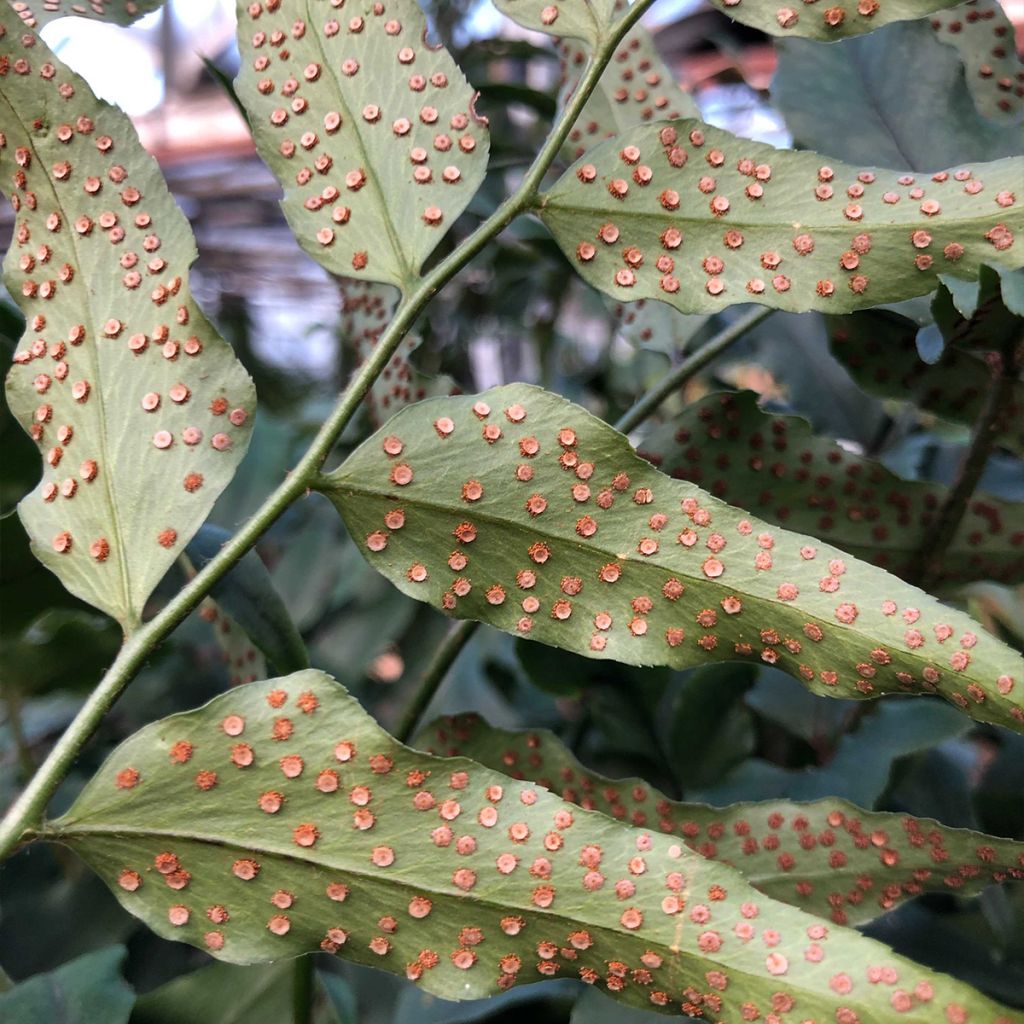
(88, 990)
(454, 874)
(522, 510)
(371, 132)
(139, 408)
(879, 351)
(776, 466)
(825, 21)
(701, 219)
(36, 13)
(587, 20)
(828, 857)
(889, 91)
(983, 36)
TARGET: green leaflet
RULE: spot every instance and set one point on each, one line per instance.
(775, 465)
(280, 818)
(371, 132)
(637, 87)
(520, 509)
(140, 409)
(828, 857)
(879, 350)
(818, 21)
(982, 35)
(699, 218)
(587, 20)
(36, 13)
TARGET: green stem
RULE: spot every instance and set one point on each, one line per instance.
(927, 568)
(444, 658)
(28, 809)
(303, 974)
(688, 367)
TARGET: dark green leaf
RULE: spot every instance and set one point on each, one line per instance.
(774, 465)
(880, 352)
(248, 596)
(221, 994)
(896, 98)
(89, 990)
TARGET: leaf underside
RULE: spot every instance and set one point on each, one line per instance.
(880, 352)
(982, 35)
(371, 132)
(826, 21)
(36, 13)
(281, 819)
(775, 465)
(522, 510)
(139, 407)
(827, 857)
(701, 219)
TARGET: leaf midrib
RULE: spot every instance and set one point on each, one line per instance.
(696, 581)
(131, 618)
(549, 201)
(444, 897)
(405, 268)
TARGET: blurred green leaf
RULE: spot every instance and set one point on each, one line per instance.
(828, 856)
(221, 994)
(710, 730)
(248, 596)
(880, 352)
(983, 36)
(776, 467)
(895, 98)
(89, 990)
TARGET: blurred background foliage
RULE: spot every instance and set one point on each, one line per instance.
(518, 312)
